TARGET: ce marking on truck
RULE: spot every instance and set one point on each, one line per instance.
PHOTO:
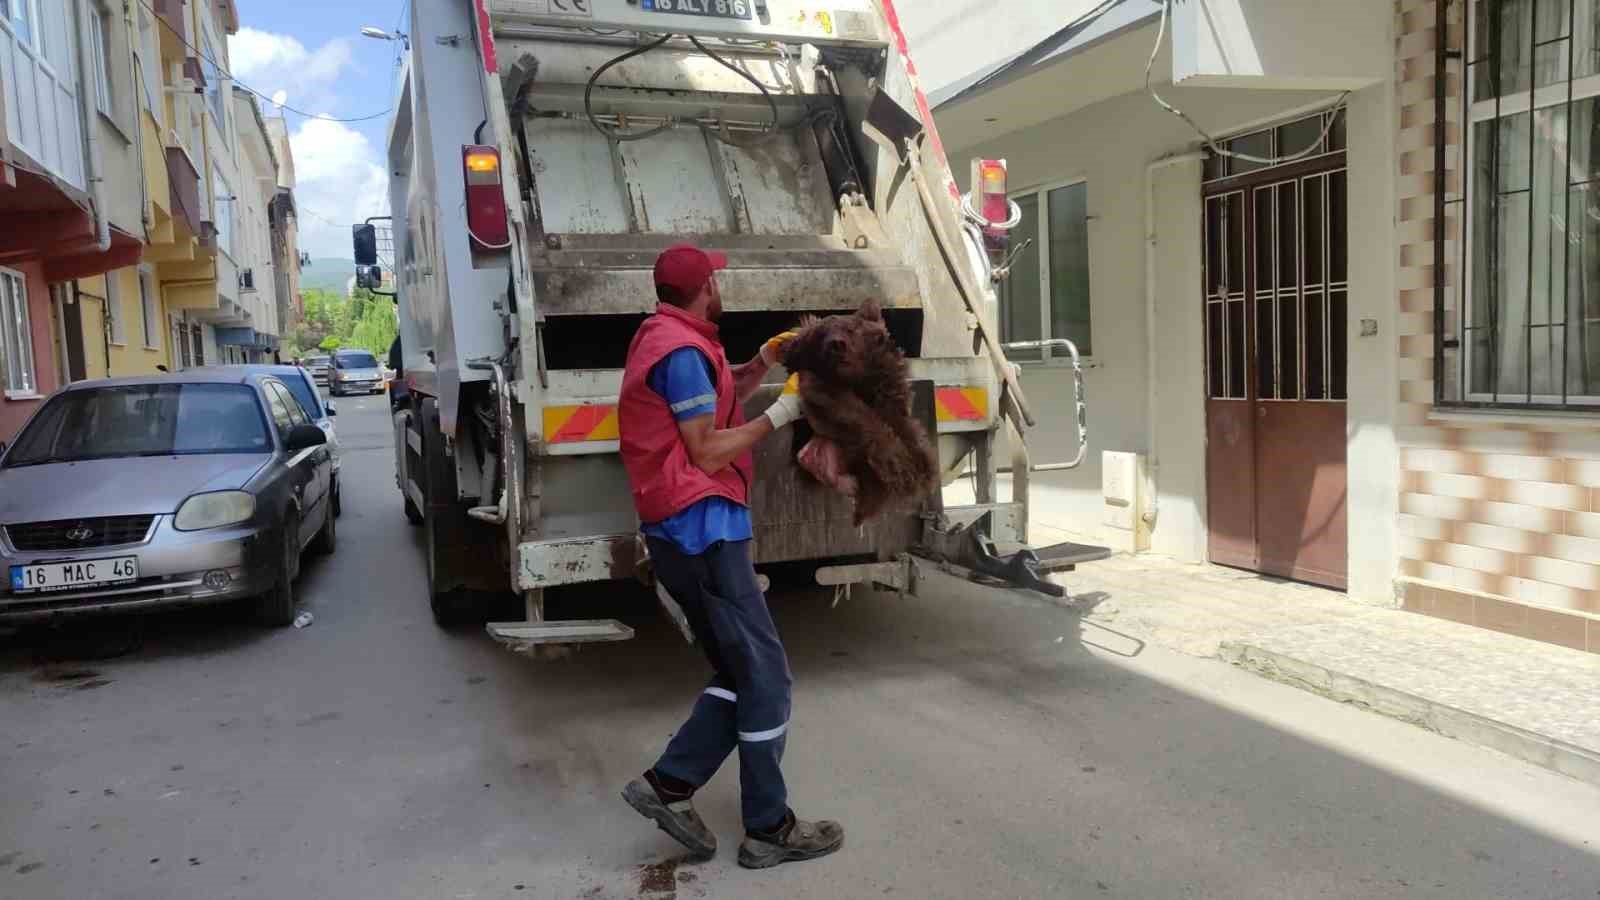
(571, 8)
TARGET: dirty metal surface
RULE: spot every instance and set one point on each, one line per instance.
(587, 292)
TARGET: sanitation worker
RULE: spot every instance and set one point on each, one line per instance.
(687, 449)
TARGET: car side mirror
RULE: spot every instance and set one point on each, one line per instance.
(303, 437)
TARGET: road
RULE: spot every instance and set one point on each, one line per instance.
(974, 744)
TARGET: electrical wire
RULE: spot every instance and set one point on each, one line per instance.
(588, 92)
(245, 87)
(722, 132)
(772, 104)
(1211, 143)
(1025, 57)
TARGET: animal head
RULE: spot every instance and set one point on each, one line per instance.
(848, 348)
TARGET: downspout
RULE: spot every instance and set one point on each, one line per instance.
(91, 139)
(136, 77)
(1152, 419)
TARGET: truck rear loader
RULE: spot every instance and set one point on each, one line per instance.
(542, 152)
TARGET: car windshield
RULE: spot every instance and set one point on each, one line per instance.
(316, 361)
(356, 361)
(144, 420)
(302, 391)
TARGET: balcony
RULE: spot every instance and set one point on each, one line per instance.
(175, 26)
(185, 191)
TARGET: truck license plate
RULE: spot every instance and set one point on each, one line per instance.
(721, 9)
(63, 576)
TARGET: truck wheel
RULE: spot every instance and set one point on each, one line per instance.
(446, 524)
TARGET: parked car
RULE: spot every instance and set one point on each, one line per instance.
(320, 367)
(321, 412)
(163, 490)
(355, 371)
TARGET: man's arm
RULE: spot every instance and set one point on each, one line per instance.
(712, 449)
(747, 376)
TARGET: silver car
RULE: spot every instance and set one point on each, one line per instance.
(355, 371)
(156, 491)
(320, 367)
(304, 389)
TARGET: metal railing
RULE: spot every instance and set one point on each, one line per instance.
(1082, 411)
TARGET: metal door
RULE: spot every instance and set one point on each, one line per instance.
(1276, 301)
(71, 313)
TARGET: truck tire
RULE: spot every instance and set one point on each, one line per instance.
(446, 524)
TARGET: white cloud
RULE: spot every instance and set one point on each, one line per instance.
(274, 63)
(339, 181)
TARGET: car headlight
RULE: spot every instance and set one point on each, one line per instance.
(214, 510)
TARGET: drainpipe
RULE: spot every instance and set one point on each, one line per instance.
(135, 78)
(91, 128)
(1152, 419)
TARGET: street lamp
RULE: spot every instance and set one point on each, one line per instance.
(379, 34)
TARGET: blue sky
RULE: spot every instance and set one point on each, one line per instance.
(313, 52)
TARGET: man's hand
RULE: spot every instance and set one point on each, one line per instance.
(787, 408)
(769, 350)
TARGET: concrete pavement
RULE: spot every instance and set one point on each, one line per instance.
(974, 744)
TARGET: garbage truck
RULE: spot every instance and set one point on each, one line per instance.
(543, 152)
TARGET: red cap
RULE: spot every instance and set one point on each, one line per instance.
(688, 268)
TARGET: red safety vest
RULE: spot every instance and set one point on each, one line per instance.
(664, 480)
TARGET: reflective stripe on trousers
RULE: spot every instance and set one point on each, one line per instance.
(747, 703)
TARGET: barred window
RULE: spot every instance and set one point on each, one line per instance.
(1530, 324)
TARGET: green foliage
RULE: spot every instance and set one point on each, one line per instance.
(333, 321)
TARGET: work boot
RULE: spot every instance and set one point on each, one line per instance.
(676, 818)
(793, 841)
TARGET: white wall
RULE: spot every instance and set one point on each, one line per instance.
(1264, 43)
(951, 39)
(1110, 145)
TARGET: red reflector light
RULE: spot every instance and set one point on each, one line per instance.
(991, 187)
(486, 204)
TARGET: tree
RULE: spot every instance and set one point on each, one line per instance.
(330, 343)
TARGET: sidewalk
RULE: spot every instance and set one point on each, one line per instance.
(1531, 700)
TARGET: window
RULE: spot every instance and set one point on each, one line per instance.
(1527, 332)
(17, 375)
(1055, 265)
(223, 210)
(216, 92)
(114, 310)
(148, 69)
(278, 405)
(100, 32)
(147, 308)
(143, 420)
(197, 335)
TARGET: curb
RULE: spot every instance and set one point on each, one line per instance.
(1568, 759)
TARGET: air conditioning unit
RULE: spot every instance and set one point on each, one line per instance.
(247, 279)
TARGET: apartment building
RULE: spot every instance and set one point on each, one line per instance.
(1340, 313)
(256, 338)
(57, 223)
(284, 222)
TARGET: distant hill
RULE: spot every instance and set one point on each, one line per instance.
(327, 275)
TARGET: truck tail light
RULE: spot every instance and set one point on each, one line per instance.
(990, 185)
(486, 204)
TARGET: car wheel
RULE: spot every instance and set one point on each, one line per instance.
(275, 608)
(338, 502)
(327, 539)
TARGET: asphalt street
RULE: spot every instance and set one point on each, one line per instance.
(974, 744)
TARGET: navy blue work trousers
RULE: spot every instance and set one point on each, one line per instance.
(746, 705)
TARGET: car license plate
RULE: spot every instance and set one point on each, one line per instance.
(721, 9)
(64, 576)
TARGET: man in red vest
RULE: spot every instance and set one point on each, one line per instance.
(687, 449)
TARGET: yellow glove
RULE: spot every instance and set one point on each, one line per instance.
(769, 350)
(792, 386)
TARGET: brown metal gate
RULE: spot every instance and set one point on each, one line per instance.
(1276, 300)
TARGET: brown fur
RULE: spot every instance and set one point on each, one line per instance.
(857, 394)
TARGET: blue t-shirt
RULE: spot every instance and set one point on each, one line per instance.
(684, 379)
